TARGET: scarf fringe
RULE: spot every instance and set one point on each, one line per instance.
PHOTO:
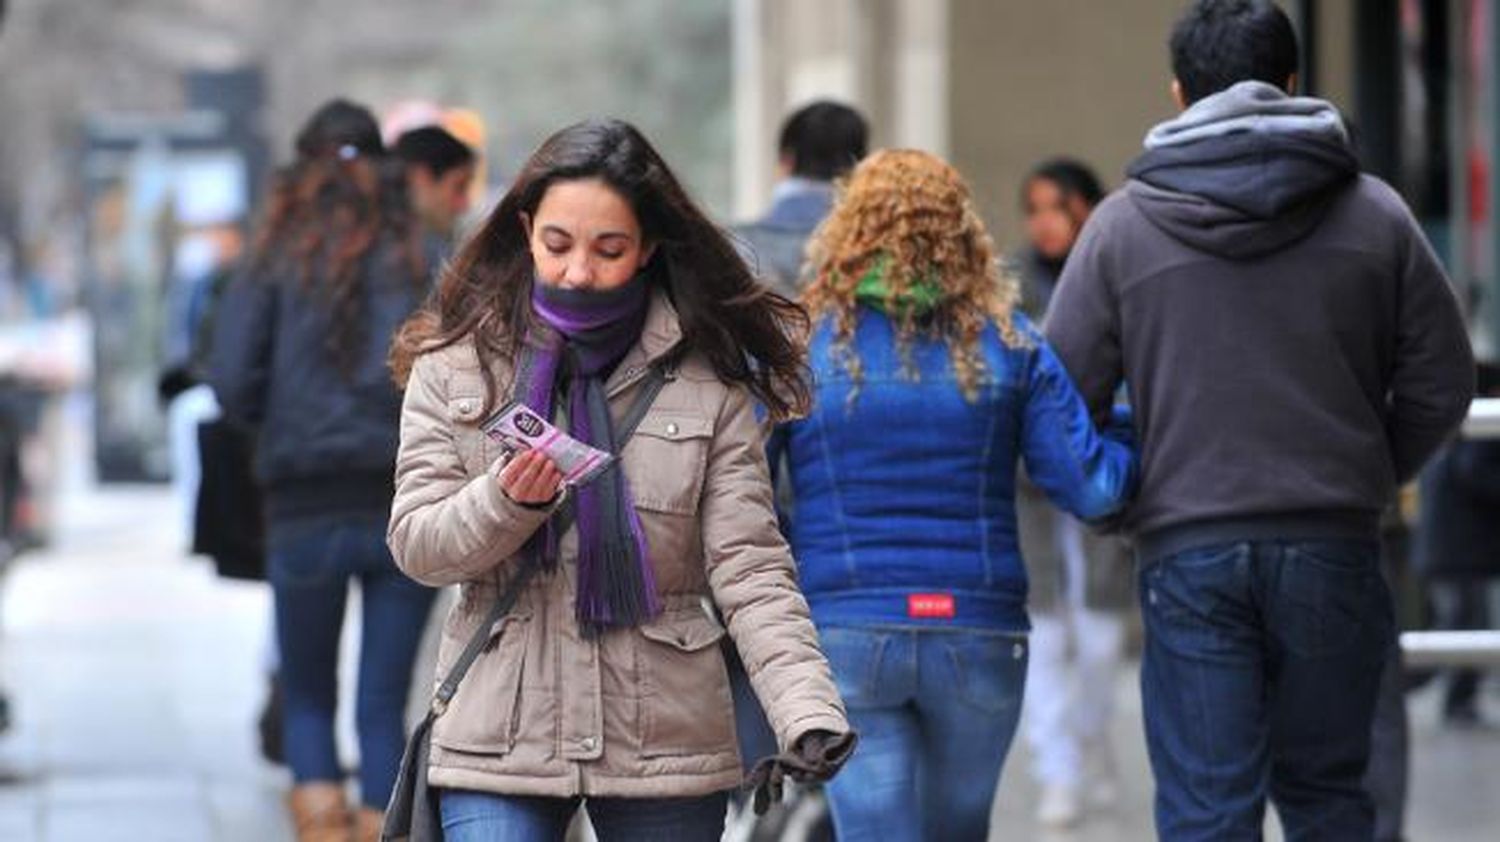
(622, 593)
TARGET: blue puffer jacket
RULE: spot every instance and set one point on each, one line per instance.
(905, 493)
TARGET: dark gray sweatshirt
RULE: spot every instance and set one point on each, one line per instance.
(1290, 343)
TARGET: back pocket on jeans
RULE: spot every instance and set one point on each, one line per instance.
(989, 669)
(856, 657)
(1329, 596)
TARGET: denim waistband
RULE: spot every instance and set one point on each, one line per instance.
(980, 610)
(1353, 525)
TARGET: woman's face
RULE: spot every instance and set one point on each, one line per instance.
(585, 235)
(1053, 218)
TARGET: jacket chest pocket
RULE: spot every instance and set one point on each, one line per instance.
(485, 712)
(685, 705)
(665, 461)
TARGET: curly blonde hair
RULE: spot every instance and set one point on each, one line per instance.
(910, 213)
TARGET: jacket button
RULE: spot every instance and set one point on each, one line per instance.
(588, 743)
(672, 429)
(466, 407)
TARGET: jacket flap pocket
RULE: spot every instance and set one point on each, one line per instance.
(687, 631)
(675, 427)
(665, 461)
(466, 409)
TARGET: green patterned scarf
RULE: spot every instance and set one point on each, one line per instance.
(919, 299)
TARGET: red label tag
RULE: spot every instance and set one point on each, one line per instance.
(930, 606)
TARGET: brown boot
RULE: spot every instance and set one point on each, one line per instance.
(319, 812)
(367, 822)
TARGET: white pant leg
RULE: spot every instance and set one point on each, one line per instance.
(1098, 641)
(1054, 749)
(270, 652)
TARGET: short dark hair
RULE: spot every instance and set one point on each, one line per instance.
(1072, 177)
(1217, 44)
(434, 148)
(824, 140)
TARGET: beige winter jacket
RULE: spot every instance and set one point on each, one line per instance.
(642, 712)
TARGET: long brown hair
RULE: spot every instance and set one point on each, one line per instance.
(750, 335)
(327, 212)
(911, 213)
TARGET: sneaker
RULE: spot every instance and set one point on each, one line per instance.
(1059, 807)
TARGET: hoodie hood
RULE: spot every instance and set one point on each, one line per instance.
(1246, 171)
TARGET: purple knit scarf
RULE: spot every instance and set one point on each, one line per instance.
(583, 336)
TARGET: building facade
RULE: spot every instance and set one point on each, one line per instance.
(998, 85)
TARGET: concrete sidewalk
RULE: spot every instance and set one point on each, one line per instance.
(136, 675)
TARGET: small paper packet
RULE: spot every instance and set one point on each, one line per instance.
(516, 427)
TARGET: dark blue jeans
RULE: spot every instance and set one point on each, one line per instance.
(311, 562)
(936, 711)
(486, 817)
(1259, 679)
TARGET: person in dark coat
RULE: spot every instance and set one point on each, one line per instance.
(299, 356)
(1458, 532)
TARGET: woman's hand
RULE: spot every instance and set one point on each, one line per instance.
(817, 756)
(531, 478)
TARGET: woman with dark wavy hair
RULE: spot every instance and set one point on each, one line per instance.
(597, 279)
(300, 356)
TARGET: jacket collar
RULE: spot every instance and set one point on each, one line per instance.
(799, 204)
(660, 336)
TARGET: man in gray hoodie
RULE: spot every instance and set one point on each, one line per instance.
(1293, 353)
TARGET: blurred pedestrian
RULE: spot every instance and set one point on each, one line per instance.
(1292, 352)
(1056, 198)
(203, 261)
(299, 355)
(819, 144)
(595, 282)
(1456, 548)
(931, 390)
(439, 175)
(1080, 580)
(213, 459)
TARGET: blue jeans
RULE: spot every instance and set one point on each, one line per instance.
(487, 817)
(1259, 678)
(311, 562)
(935, 710)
